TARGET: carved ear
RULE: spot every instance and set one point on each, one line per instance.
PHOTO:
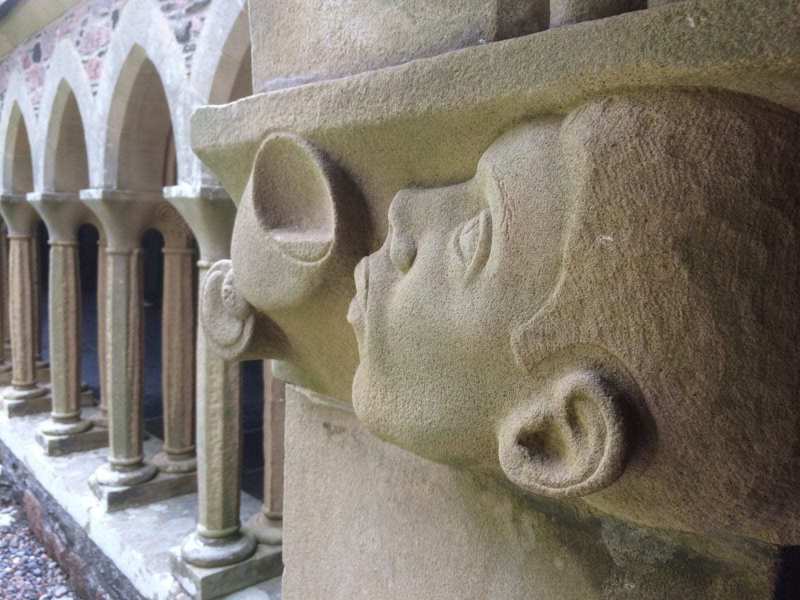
(568, 442)
(233, 329)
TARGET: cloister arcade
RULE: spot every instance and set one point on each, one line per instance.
(100, 176)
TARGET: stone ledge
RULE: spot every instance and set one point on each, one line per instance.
(126, 553)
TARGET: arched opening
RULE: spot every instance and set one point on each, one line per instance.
(70, 166)
(147, 157)
(21, 173)
(20, 181)
(152, 245)
(146, 163)
(42, 292)
(67, 171)
(88, 254)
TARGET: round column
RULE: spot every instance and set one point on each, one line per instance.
(21, 295)
(65, 351)
(218, 539)
(5, 364)
(178, 362)
(123, 326)
(102, 345)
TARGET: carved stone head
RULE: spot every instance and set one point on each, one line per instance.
(608, 309)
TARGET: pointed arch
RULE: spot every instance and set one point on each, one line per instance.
(142, 39)
(19, 137)
(222, 72)
(215, 66)
(66, 113)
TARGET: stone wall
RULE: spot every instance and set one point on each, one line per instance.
(89, 27)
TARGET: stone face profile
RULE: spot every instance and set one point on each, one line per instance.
(608, 310)
(298, 234)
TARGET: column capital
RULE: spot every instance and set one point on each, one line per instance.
(19, 215)
(210, 213)
(124, 214)
(63, 213)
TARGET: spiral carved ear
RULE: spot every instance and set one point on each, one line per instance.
(227, 318)
(569, 441)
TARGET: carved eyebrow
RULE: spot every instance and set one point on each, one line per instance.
(502, 212)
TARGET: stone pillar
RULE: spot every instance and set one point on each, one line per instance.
(124, 333)
(124, 216)
(4, 272)
(25, 395)
(218, 539)
(5, 363)
(102, 344)
(178, 356)
(63, 215)
(266, 526)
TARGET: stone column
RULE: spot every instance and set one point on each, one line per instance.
(218, 539)
(178, 357)
(266, 526)
(4, 273)
(24, 395)
(102, 344)
(63, 215)
(124, 216)
(5, 363)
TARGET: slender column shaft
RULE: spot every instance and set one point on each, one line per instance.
(274, 415)
(126, 466)
(178, 375)
(219, 439)
(4, 254)
(65, 317)
(102, 341)
(217, 540)
(65, 354)
(35, 275)
(21, 298)
(3, 298)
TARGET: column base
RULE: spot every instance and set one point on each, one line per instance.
(53, 427)
(170, 464)
(101, 419)
(5, 373)
(107, 475)
(264, 530)
(149, 488)
(87, 396)
(211, 553)
(42, 371)
(20, 402)
(263, 563)
(91, 439)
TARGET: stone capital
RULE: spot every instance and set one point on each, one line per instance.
(62, 212)
(124, 214)
(210, 214)
(19, 215)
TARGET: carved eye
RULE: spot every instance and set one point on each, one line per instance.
(473, 241)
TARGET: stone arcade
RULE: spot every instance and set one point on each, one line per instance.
(526, 273)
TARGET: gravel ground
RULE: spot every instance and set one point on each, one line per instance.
(26, 572)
